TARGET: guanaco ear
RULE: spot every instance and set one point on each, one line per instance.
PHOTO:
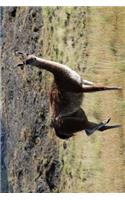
(21, 57)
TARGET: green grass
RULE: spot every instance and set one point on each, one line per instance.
(123, 106)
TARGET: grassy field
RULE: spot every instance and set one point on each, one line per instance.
(91, 41)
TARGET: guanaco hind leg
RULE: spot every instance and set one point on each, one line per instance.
(99, 127)
(67, 126)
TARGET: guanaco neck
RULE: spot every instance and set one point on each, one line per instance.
(51, 66)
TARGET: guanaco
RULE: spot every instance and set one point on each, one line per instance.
(66, 95)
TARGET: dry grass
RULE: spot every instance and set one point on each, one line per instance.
(91, 40)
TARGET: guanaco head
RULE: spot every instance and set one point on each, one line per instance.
(30, 60)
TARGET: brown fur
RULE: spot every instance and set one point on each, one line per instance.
(66, 96)
(67, 115)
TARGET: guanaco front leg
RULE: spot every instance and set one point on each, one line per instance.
(96, 88)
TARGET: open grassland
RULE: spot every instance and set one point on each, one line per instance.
(91, 41)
